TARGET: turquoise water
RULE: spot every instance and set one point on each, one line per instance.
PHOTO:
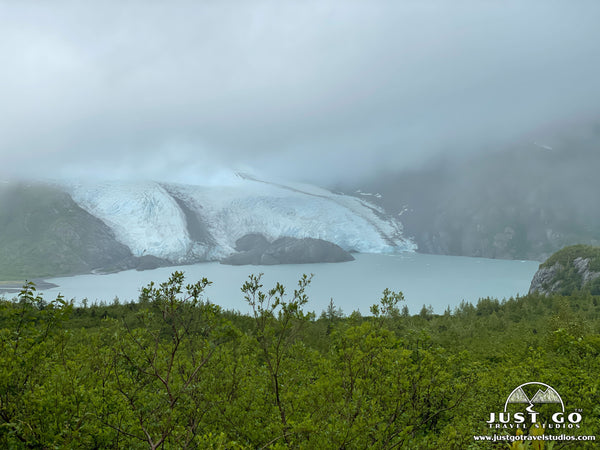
(439, 281)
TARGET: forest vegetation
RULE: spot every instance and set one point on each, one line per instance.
(175, 371)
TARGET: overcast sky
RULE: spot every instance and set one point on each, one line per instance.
(319, 91)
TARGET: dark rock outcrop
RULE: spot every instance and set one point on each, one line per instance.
(255, 249)
(252, 241)
(197, 228)
(149, 262)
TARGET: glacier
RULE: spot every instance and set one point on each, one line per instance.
(155, 218)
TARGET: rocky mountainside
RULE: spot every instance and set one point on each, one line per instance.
(523, 202)
(573, 268)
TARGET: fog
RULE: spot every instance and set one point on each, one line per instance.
(318, 91)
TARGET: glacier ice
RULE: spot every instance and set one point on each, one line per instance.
(149, 219)
(142, 215)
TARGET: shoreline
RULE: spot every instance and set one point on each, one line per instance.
(14, 287)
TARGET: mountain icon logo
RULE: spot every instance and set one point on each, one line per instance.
(544, 394)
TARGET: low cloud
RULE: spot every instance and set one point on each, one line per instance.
(316, 91)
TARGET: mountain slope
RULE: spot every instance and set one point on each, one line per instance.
(522, 202)
(44, 232)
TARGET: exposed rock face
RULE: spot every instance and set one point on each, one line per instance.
(583, 268)
(572, 268)
(255, 249)
(544, 281)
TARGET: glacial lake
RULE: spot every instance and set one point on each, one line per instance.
(439, 281)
